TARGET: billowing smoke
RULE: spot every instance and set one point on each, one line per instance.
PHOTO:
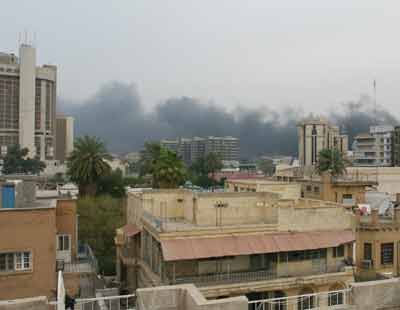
(116, 115)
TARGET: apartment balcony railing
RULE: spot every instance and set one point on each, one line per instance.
(340, 299)
(284, 270)
(86, 262)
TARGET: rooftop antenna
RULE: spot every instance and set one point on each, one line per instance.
(376, 124)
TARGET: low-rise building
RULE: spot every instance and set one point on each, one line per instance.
(39, 236)
(229, 244)
(378, 247)
(347, 190)
(285, 189)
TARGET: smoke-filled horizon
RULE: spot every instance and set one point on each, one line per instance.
(116, 115)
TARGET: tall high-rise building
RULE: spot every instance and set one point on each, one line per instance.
(194, 148)
(64, 137)
(27, 103)
(316, 134)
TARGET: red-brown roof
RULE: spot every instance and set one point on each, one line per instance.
(197, 248)
(130, 230)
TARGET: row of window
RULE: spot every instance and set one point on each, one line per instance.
(15, 261)
(387, 250)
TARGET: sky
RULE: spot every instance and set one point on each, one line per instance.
(305, 54)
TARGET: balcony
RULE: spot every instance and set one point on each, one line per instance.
(283, 270)
(85, 263)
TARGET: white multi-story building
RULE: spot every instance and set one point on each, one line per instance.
(27, 103)
(374, 148)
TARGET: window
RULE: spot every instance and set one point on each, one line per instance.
(316, 189)
(308, 188)
(387, 253)
(347, 196)
(335, 298)
(63, 243)
(338, 251)
(18, 261)
(367, 251)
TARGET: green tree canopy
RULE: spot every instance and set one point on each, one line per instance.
(164, 166)
(112, 184)
(17, 162)
(331, 160)
(87, 164)
(99, 217)
(203, 167)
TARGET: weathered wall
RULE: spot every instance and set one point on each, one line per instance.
(66, 222)
(184, 297)
(240, 209)
(32, 230)
(36, 303)
(307, 216)
(372, 295)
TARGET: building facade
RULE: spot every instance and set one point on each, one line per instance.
(194, 148)
(316, 134)
(64, 137)
(27, 103)
(374, 148)
(231, 244)
(39, 237)
(396, 146)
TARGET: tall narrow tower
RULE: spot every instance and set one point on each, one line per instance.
(27, 78)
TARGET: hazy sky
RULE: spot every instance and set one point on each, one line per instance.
(304, 53)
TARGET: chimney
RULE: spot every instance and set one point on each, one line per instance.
(374, 216)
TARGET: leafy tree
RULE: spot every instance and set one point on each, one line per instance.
(213, 163)
(112, 184)
(331, 160)
(87, 164)
(164, 166)
(203, 167)
(266, 165)
(168, 170)
(16, 161)
(99, 217)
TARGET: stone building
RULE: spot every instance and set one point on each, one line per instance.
(316, 134)
(229, 244)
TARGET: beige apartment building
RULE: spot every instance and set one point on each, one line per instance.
(316, 134)
(39, 237)
(230, 244)
(378, 246)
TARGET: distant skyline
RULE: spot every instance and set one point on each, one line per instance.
(303, 54)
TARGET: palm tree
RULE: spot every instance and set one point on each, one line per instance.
(213, 164)
(87, 164)
(331, 160)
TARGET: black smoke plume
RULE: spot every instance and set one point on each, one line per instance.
(116, 115)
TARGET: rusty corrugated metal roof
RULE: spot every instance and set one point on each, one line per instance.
(197, 248)
(130, 230)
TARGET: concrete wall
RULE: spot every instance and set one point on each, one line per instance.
(185, 297)
(372, 295)
(309, 215)
(29, 230)
(36, 303)
(286, 190)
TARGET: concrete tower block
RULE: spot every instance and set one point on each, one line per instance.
(27, 98)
